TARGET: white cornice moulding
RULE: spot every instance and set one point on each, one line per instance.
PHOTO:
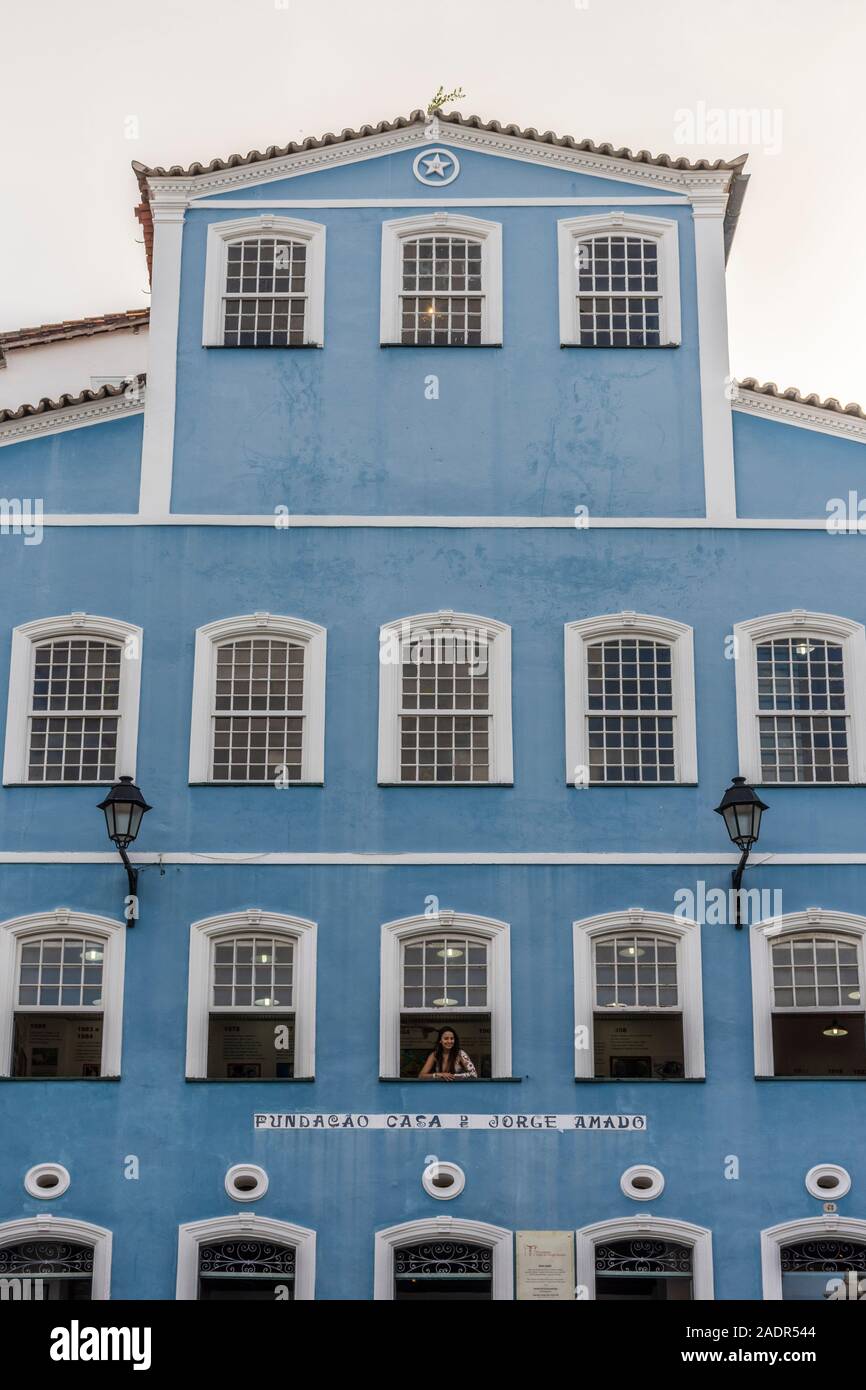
(453, 523)
(71, 417)
(380, 859)
(807, 417)
(690, 181)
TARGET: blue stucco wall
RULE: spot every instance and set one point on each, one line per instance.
(783, 470)
(94, 469)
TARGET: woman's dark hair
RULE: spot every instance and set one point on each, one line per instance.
(447, 1061)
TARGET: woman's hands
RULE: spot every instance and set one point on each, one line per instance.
(443, 1076)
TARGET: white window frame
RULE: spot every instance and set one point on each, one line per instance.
(447, 922)
(663, 230)
(193, 1234)
(500, 1241)
(221, 234)
(815, 921)
(19, 931)
(788, 1232)
(582, 634)
(207, 640)
(799, 623)
(209, 932)
(393, 638)
(25, 640)
(66, 1228)
(401, 229)
(687, 935)
(699, 1238)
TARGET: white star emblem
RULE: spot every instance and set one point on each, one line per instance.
(436, 165)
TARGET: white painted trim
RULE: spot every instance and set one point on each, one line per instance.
(17, 930)
(396, 635)
(815, 921)
(662, 230)
(664, 177)
(377, 858)
(195, 1233)
(157, 451)
(246, 1170)
(806, 1228)
(451, 523)
(716, 420)
(207, 933)
(656, 1227)
(827, 1170)
(398, 230)
(219, 237)
(396, 934)
(208, 639)
(687, 936)
(500, 1241)
(654, 1176)
(25, 639)
(806, 417)
(44, 1170)
(441, 1168)
(650, 200)
(66, 1228)
(578, 636)
(71, 417)
(798, 622)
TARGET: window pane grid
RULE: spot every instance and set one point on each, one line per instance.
(442, 298)
(265, 293)
(253, 971)
(816, 972)
(445, 972)
(634, 971)
(618, 292)
(445, 710)
(630, 679)
(803, 715)
(259, 710)
(74, 714)
(61, 972)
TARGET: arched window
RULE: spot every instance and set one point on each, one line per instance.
(644, 1259)
(258, 710)
(264, 283)
(637, 997)
(629, 701)
(443, 1258)
(801, 686)
(252, 1006)
(819, 1258)
(246, 1259)
(618, 281)
(56, 1259)
(445, 700)
(448, 970)
(807, 982)
(73, 700)
(441, 282)
(61, 995)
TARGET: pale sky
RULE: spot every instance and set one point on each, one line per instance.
(197, 79)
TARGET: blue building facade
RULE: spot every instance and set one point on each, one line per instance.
(463, 385)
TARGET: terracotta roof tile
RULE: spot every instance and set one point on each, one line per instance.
(71, 328)
(45, 406)
(769, 388)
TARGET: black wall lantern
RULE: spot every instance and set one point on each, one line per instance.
(124, 807)
(741, 809)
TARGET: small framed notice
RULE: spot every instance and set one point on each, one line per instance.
(545, 1265)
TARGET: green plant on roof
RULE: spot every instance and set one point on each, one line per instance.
(436, 103)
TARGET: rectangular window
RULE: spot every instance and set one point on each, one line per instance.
(444, 983)
(803, 716)
(59, 974)
(251, 1024)
(811, 975)
(634, 974)
(445, 711)
(618, 292)
(441, 301)
(74, 712)
(265, 298)
(630, 721)
(258, 728)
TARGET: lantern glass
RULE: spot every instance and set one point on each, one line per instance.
(124, 807)
(741, 810)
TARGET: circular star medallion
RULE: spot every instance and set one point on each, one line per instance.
(436, 167)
